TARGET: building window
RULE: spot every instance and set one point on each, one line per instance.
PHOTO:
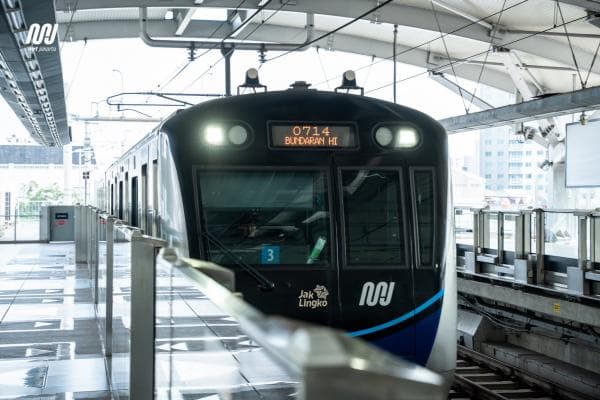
(500, 187)
(528, 164)
(527, 187)
(487, 141)
(515, 165)
(488, 153)
(500, 141)
(528, 153)
(540, 152)
(488, 176)
(7, 206)
(500, 153)
(488, 187)
(515, 186)
(500, 176)
(528, 176)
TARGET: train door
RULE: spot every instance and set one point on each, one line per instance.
(121, 200)
(154, 217)
(126, 211)
(134, 201)
(376, 283)
(144, 198)
(426, 272)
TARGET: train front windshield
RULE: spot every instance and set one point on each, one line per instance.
(265, 216)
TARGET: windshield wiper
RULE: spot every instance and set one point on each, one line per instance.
(264, 283)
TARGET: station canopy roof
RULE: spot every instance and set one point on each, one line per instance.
(552, 43)
(533, 47)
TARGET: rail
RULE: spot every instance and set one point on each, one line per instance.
(136, 278)
(482, 377)
(556, 248)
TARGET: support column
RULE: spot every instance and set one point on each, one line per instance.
(67, 168)
(227, 52)
(539, 245)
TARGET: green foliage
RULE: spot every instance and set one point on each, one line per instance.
(47, 194)
(33, 196)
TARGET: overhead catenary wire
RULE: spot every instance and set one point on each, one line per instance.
(486, 58)
(76, 69)
(570, 46)
(210, 67)
(460, 90)
(428, 42)
(322, 67)
(464, 59)
(187, 64)
(69, 24)
(592, 64)
(339, 28)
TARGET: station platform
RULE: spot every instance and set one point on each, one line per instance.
(51, 343)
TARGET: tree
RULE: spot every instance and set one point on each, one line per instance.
(48, 194)
(33, 197)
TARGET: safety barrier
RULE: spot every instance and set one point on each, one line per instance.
(557, 248)
(325, 363)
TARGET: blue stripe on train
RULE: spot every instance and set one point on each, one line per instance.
(414, 342)
(400, 319)
(414, 348)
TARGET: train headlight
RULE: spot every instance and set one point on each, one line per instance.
(406, 137)
(397, 136)
(214, 135)
(384, 136)
(237, 135)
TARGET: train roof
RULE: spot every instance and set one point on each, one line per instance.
(291, 103)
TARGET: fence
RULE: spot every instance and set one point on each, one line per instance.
(23, 223)
(556, 248)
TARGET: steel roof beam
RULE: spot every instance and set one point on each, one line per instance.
(551, 106)
(592, 5)
(183, 18)
(459, 90)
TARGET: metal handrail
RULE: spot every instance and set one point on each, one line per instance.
(324, 358)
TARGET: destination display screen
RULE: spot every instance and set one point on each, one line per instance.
(313, 135)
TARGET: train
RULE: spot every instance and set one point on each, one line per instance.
(330, 207)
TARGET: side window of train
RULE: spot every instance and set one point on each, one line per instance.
(373, 222)
(423, 199)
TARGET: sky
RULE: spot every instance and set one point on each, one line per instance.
(95, 70)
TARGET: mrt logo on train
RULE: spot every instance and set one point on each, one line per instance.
(377, 294)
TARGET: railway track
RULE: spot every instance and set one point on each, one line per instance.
(482, 377)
